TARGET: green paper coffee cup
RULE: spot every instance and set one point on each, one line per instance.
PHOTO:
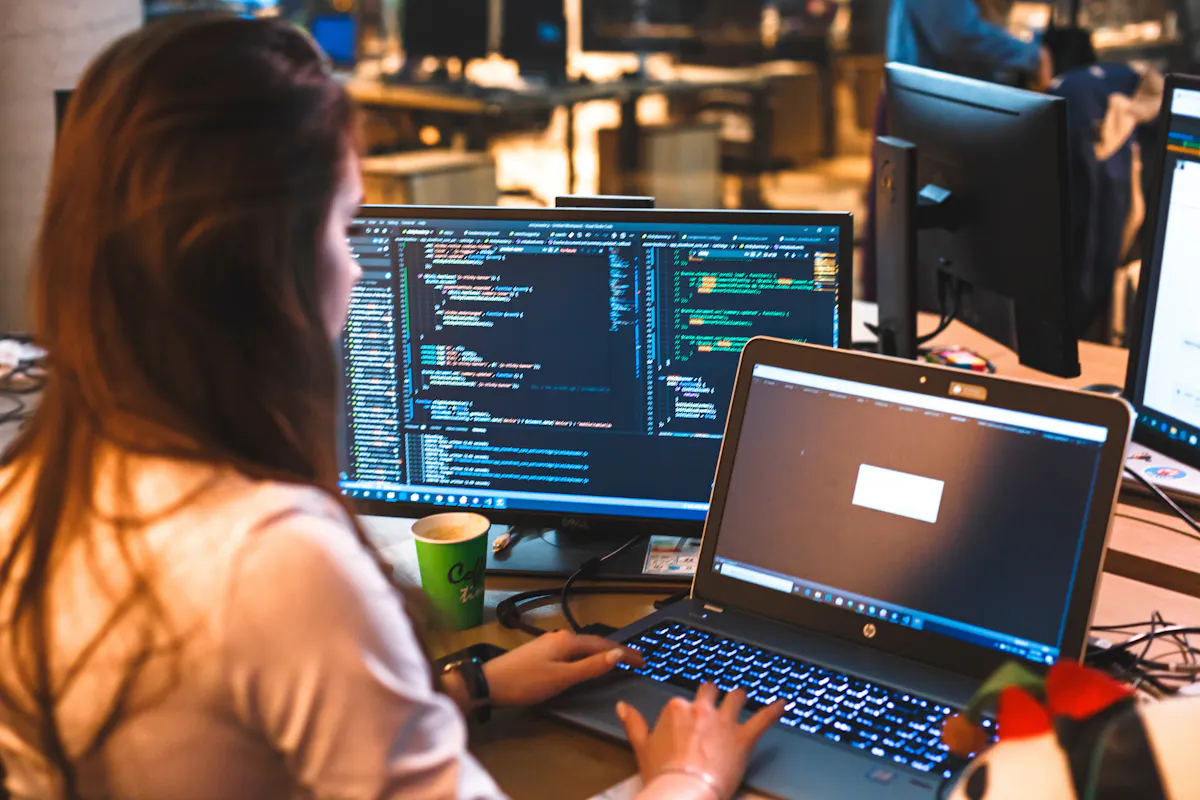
(452, 556)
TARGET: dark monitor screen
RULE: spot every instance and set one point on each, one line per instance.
(568, 364)
(900, 506)
(1001, 153)
(534, 34)
(637, 25)
(446, 28)
(1165, 368)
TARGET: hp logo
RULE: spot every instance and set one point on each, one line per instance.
(869, 631)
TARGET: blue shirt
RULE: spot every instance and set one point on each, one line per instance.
(951, 36)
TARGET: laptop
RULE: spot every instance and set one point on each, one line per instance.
(1163, 380)
(882, 535)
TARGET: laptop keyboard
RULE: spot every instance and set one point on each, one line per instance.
(891, 725)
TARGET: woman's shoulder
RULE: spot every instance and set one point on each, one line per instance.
(228, 513)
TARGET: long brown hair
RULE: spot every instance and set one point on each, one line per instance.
(177, 290)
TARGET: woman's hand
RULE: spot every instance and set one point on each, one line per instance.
(551, 664)
(698, 737)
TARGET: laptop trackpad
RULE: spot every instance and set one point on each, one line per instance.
(787, 763)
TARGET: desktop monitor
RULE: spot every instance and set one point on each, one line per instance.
(534, 34)
(446, 28)
(973, 214)
(568, 369)
(1163, 380)
(623, 26)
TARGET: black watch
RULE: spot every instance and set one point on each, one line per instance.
(480, 696)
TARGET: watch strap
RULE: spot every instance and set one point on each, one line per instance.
(478, 691)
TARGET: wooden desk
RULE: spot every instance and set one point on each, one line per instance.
(495, 104)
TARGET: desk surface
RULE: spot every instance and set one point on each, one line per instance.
(446, 98)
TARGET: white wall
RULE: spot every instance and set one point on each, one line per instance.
(44, 45)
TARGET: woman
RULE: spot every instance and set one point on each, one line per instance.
(187, 607)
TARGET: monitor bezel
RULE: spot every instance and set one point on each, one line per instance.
(628, 524)
(1146, 302)
(946, 652)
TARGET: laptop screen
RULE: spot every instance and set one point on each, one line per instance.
(1168, 393)
(938, 514)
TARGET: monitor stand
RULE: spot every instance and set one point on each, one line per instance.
(901, 210)
(558, 553)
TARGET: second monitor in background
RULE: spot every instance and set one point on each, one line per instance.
(568, 371)
(973, 216)
(534, 34)
(446, 28)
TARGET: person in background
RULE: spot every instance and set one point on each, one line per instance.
(963, 37)
(189, 609)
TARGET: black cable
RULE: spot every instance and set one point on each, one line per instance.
(1128, 626)
(1167, 501)
(587, 570)
(25, 378)
(947, 318)
(16, 412)
(1154, 524)
(1156, 633)
(510, 610)
(1156, 677)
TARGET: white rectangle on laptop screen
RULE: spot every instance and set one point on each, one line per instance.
(1000, 416)
(898, 493)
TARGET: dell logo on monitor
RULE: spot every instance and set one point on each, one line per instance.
(869, 631)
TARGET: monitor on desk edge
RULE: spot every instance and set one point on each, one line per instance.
(992, 225)
(1163, 380)
(543, 366)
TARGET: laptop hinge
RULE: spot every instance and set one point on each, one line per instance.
(714, 609)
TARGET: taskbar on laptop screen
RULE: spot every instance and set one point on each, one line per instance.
(897, 615)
